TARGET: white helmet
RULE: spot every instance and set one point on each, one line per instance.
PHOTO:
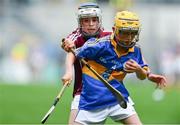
(89, 10)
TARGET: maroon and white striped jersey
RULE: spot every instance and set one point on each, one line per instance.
(79, 40)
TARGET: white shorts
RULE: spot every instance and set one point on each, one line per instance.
(75, 102)
(116, 113)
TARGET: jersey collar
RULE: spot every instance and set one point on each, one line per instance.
(119, 53)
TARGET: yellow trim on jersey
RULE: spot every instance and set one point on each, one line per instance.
(146, 68)
(117, 75)
(119, 53)
(98, 67)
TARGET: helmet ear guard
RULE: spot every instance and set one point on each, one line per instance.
(127, 22)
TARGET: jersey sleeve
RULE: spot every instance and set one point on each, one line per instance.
(142, 61)
(89, 50)
(74, 35)
(145, 65)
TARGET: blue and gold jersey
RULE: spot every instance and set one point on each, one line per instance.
(107, 61)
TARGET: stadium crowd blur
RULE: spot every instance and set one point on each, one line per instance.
(31, 31)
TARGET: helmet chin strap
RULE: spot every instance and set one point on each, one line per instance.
(87, 36)
(120, 43)
(126, 46)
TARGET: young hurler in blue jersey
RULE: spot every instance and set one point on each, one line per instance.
(113, 57)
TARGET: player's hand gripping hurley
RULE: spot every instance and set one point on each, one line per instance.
(55, 103)
(114, 91)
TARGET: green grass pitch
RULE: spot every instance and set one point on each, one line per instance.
(27, 104)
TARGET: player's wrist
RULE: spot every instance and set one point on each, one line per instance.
(148, 74)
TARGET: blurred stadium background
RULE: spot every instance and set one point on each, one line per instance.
(32, 62)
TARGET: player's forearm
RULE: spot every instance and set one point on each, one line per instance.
(70, 58)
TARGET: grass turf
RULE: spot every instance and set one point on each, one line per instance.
(27, 104)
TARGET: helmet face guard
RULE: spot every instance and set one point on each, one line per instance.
(88, 10)
(126, 23)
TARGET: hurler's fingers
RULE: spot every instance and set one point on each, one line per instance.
(65, 45)
(162, 83)
(66, 81)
